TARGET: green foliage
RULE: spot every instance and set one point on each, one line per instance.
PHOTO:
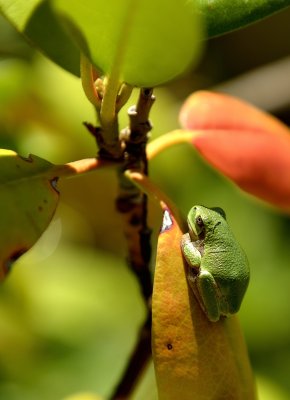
(129, 35)
(12, 44)
(36, 21)
(28, 202)
(222, 16)
(148, 42)
(156, 40)
(64, 319)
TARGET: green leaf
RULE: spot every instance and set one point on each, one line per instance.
(149, 41)
(222, 16)
(159, 29)
(27, 204)
(36, 21)
(12, 44)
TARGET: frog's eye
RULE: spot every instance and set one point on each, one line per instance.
(199, 222)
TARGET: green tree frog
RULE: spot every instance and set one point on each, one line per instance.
(218, 270)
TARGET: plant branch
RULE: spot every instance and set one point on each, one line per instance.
(138, 362)
(108, 113)
(169, 139)
(132, 204)
(154, 192)
(79, 167)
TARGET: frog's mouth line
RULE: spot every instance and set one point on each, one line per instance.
(192, 233)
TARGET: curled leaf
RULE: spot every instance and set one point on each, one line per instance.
(245, 144)
(28, 201)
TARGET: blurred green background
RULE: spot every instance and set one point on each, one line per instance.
(70, 310)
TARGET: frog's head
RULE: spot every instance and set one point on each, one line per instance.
(201, 220)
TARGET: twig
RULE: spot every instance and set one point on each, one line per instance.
(155, 193)
(79, 167)
(138, 361)
(132, 204)
(169, 139)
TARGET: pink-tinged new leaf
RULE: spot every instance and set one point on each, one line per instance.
(245, 144)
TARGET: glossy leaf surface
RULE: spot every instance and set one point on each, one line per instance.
(12, 44)
(245, 144)
(141, 38)
(27, 203)
(157, 28)
(222, 16)
(36, 21)
(193, 358)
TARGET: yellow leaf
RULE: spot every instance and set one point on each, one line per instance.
(193, 357)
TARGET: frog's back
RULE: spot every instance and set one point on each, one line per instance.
(227, 262)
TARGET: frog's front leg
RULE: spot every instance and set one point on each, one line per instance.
(193, 260)
(190, 252)
(208, 295)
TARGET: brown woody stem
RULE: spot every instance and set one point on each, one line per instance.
(132, 204)
(155, 193)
